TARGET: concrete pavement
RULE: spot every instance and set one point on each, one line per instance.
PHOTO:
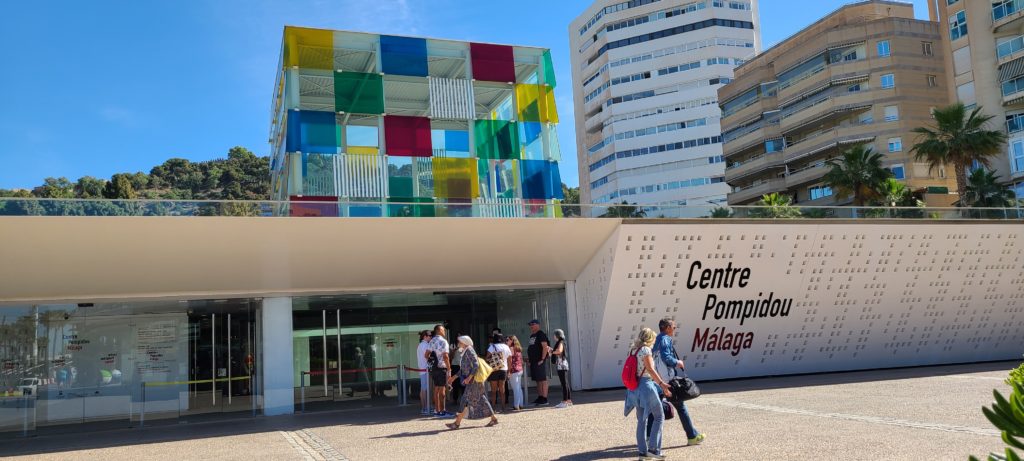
(921, 413)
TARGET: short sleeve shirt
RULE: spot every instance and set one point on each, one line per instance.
(640, 354)
(421, 352)
(504, 351)
(534, 350)
(440, 347)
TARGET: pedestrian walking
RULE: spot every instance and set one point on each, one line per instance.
(669, 365)
(421, 363)
(497, 357)
(474, 403)
(515, 371)
(538, 352)
(456, 388)
(438, 349)
(648, 399)
(559, 356)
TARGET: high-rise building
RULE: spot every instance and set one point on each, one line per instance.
(985, 60)
(381, 125)
(866, 74)
(645, 81)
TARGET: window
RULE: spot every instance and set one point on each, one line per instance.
(1017, 155)
(888, 81)
(853, 88)
(1004, 8)
(866, 118)
(950, 2)
(958, 25)
(930, 80)
(1014, 123)
(819, 191)
(926, 48)
(1013, 86)
(895, 144)
(962, 60)
(892, 113)
(883, 48)
(897, 171)
(965, 93)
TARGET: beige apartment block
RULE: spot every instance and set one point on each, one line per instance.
(985, 60)
(868, 73)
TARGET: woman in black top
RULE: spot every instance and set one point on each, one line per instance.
(559, 356)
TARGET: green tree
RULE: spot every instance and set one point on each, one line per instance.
(120, 187)
(721, 212)
(774, 206)
(984, 191)
(89, 187)
(1007, 415)
(894, 193)
(624, 210)
(55, 188)
(858, 172)
(572, 199)
(959, 139)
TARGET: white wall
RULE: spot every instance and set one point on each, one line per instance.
(278, 390)
(863, 296)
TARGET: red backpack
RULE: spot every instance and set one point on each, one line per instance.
(629, 368)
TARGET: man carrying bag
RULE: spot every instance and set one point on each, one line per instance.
(670, 366)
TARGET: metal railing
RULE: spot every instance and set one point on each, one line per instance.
(14, 207)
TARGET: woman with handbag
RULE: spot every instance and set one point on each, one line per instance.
(515, 371)
(497, 357)
(559, 357)
(473, 403)
(648, 400)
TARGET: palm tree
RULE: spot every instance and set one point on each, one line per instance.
(624, 210)
(983, 190)
(894, 193)
(775, 206)
(721, 213)
(960, 139)
(858, 173)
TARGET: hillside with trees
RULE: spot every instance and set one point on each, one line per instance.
(240, 176)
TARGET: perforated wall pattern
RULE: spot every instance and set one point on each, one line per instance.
(767, 299)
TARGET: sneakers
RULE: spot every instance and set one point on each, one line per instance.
(425, 412)
(541, 401)
(644, 456)
(564, 405)
(696, 440)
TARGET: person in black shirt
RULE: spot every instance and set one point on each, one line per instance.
(537, 352)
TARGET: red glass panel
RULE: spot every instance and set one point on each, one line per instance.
(407, 136)
(492, 63)
(301, 207)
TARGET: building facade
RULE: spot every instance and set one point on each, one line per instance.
(380, 125)
(866, 74)
(985, 59)
(645, 80)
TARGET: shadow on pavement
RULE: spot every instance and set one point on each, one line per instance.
(99, 439)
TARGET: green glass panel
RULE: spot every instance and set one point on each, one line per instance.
(400, 186)
(356, 92)
(549, 69)
(406, 207)
(496, 139)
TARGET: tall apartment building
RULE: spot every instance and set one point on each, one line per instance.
(868, 73)
(645, 79)
(382, 125)
(985, 59)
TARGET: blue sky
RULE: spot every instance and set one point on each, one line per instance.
(97, 88)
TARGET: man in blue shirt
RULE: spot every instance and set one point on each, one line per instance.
(669, 365)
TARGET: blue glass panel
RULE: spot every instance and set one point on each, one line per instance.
(364, 211)
(541, 180)
(403, 55)
(529, 131)
(294, 134)
(312, 132)
(456, 140)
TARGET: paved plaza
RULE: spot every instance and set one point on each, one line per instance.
(929, 413)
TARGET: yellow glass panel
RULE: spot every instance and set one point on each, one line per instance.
(362, 150)
(308, 48)
(536, 103)
(456, 178)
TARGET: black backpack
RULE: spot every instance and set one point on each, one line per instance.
(432, 360)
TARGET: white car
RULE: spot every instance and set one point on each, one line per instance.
(28, 386)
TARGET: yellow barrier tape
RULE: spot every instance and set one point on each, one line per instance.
(202, 381)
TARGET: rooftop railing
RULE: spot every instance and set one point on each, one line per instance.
(500, 208)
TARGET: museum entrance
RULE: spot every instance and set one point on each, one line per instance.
(360, 350)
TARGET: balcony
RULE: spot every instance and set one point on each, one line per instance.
(1006, 15)
(753, 165)
(806, 174)
(821, 110)
(812, 78)
(754, 191)
(755, 108)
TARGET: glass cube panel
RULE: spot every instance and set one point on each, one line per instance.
(549, 69)
(536, 103)
(450, 138)
(541, 180)
(407, 136)
(356, 92)
(363, 210)
(312, 131)
(305, 205)
(493, 63)
(496, 139)
(408, 207)
(308, 48)
(318, 174)
(408, 96)
(454, 208)
(493, 101)
(400, 178)
(499, 178)
(448, 59)
(403, 55)
(362, 137)
(455, 178)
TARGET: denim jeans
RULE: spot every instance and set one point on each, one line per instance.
(516, 383)
(684, 417)
(648, 409)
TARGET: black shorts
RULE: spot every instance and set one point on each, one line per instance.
(539, 372)
(498, 375)
(439, 376)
